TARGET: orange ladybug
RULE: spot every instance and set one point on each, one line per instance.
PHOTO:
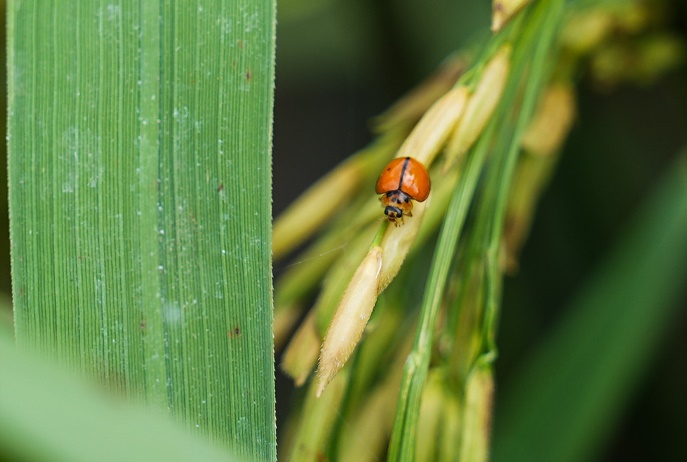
(403, 180)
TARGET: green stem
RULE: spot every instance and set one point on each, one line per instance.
(403, 438)
(537, 33)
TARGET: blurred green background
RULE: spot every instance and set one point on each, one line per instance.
(340, 63)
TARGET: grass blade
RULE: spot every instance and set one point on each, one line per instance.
(139, 158)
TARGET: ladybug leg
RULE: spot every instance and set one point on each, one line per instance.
(408, 207)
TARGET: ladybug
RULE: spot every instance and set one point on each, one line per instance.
(403, 180)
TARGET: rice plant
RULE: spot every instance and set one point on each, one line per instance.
(143, 324)
(397, 351)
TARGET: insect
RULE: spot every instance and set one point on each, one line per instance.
(402, 181)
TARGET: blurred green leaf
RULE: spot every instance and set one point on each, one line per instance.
(572, 389)
(83, 424)
(139, 162)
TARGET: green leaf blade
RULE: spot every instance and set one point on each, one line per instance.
(140, 140)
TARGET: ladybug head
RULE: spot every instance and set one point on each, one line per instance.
(393, 213)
